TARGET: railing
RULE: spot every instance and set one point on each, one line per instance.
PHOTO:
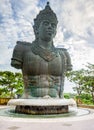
(86, 106)
(4, 101)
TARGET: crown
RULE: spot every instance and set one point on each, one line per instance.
(45, 14)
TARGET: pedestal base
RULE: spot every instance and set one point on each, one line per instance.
(42, 110)
(41, 106)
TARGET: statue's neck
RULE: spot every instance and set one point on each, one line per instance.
(45, 44)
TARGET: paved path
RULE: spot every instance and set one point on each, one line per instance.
(72, 123)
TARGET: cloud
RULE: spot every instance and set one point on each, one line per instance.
(15, 24)
(76, 29)
(76, 17)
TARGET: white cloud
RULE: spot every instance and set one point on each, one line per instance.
(76, 23)
(76, 16)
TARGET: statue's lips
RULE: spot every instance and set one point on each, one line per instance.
(49, 32)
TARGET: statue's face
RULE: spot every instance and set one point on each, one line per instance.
(47, 30)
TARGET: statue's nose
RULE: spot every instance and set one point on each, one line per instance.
(49, 26)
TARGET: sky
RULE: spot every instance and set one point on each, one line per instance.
(75, 29)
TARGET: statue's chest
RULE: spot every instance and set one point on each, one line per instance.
(36, 65)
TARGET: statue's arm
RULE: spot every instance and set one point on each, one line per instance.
(17, 60)
(68, 61)
(65, 58)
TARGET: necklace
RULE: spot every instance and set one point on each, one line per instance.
(46, 54)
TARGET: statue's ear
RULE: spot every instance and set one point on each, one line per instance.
(36, 31)
(55, 33)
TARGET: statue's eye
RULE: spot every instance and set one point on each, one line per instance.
(53, 25)
(46, 23)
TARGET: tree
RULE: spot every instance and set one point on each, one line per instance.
(77, 78)
(84, 81)
(89, 81)
(11, 84)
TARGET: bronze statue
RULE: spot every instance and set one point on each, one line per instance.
(43, 66)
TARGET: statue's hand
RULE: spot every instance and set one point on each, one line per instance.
(16, 64)
(61, 95)
(46, 97)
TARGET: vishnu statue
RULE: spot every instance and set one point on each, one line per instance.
(43, 65)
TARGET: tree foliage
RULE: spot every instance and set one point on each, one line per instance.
(77, 78)
(84, 81)
(11, 84)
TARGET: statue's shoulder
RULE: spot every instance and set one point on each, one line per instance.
(61, 49)
(65, 55)
(23, 43)
(22, 46)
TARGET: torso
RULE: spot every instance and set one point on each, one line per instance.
(35, 65)
(43, 70)
(42, 77)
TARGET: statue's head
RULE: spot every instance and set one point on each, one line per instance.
(44, 17)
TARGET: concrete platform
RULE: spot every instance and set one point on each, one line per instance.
(85, 122)
(42, 106)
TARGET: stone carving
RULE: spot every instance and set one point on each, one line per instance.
(43, 65)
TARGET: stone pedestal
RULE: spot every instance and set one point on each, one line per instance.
(42, 110)
(41, 106)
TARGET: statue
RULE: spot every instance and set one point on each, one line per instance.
(43, 65)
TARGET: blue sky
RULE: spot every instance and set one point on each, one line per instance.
(75, 28)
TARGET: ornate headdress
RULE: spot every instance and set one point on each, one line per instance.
(45, 14)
